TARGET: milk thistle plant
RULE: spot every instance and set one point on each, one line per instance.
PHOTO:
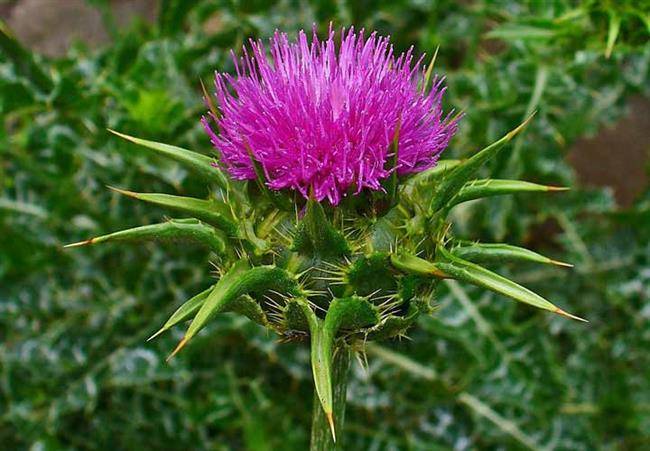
(327, 218)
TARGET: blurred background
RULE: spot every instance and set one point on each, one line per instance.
(481, 373)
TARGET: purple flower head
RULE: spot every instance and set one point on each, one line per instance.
(320, 118)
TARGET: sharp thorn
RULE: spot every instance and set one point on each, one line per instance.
(330, 420)
(121, 135)
(523, 125)
(557, 188)
(559, 311)
(559, 263)
(80, 243)
(180, 346)
(156, 334)
(123, 191)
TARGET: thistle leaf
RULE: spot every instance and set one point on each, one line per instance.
(477, 275)
(211, 211)
(199, 163)
(238, 281)
(172, 230)
(432, 174)
(411, 264)
(352, 312)
(317, 237)
(244, 305)
(458, 176)
(321, 361)
(208, 99)
(477, 189)
(429, 72)
(497, 252)
(184, 312)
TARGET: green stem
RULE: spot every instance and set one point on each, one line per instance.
(321, 435)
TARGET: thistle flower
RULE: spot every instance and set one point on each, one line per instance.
(320, 118)
(323, 122)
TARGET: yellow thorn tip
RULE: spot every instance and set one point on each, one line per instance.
(123, 191)
(178, 348)
(121, 135)
(521, 126)
(330, 420)
(559, 263)
(156, 334)
(559, 311)
(79, 243)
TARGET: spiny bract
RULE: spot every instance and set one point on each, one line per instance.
(361, 270)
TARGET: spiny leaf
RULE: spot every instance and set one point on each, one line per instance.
(321, 361)
(411, 264)
(238, 281)
(208, 99)
(352, 312)
(459, 175)
(244, 305)
(431, 174)
(477, 275)
(217, 298)
(172, 230)
(317, 237)
(497, 252)
(184, 312)
(211, 211)
(429, 72)
(477, 189)
(197, 162)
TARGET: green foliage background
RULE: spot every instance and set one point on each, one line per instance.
(482, 372)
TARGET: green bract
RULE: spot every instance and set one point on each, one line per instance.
(364, 270)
